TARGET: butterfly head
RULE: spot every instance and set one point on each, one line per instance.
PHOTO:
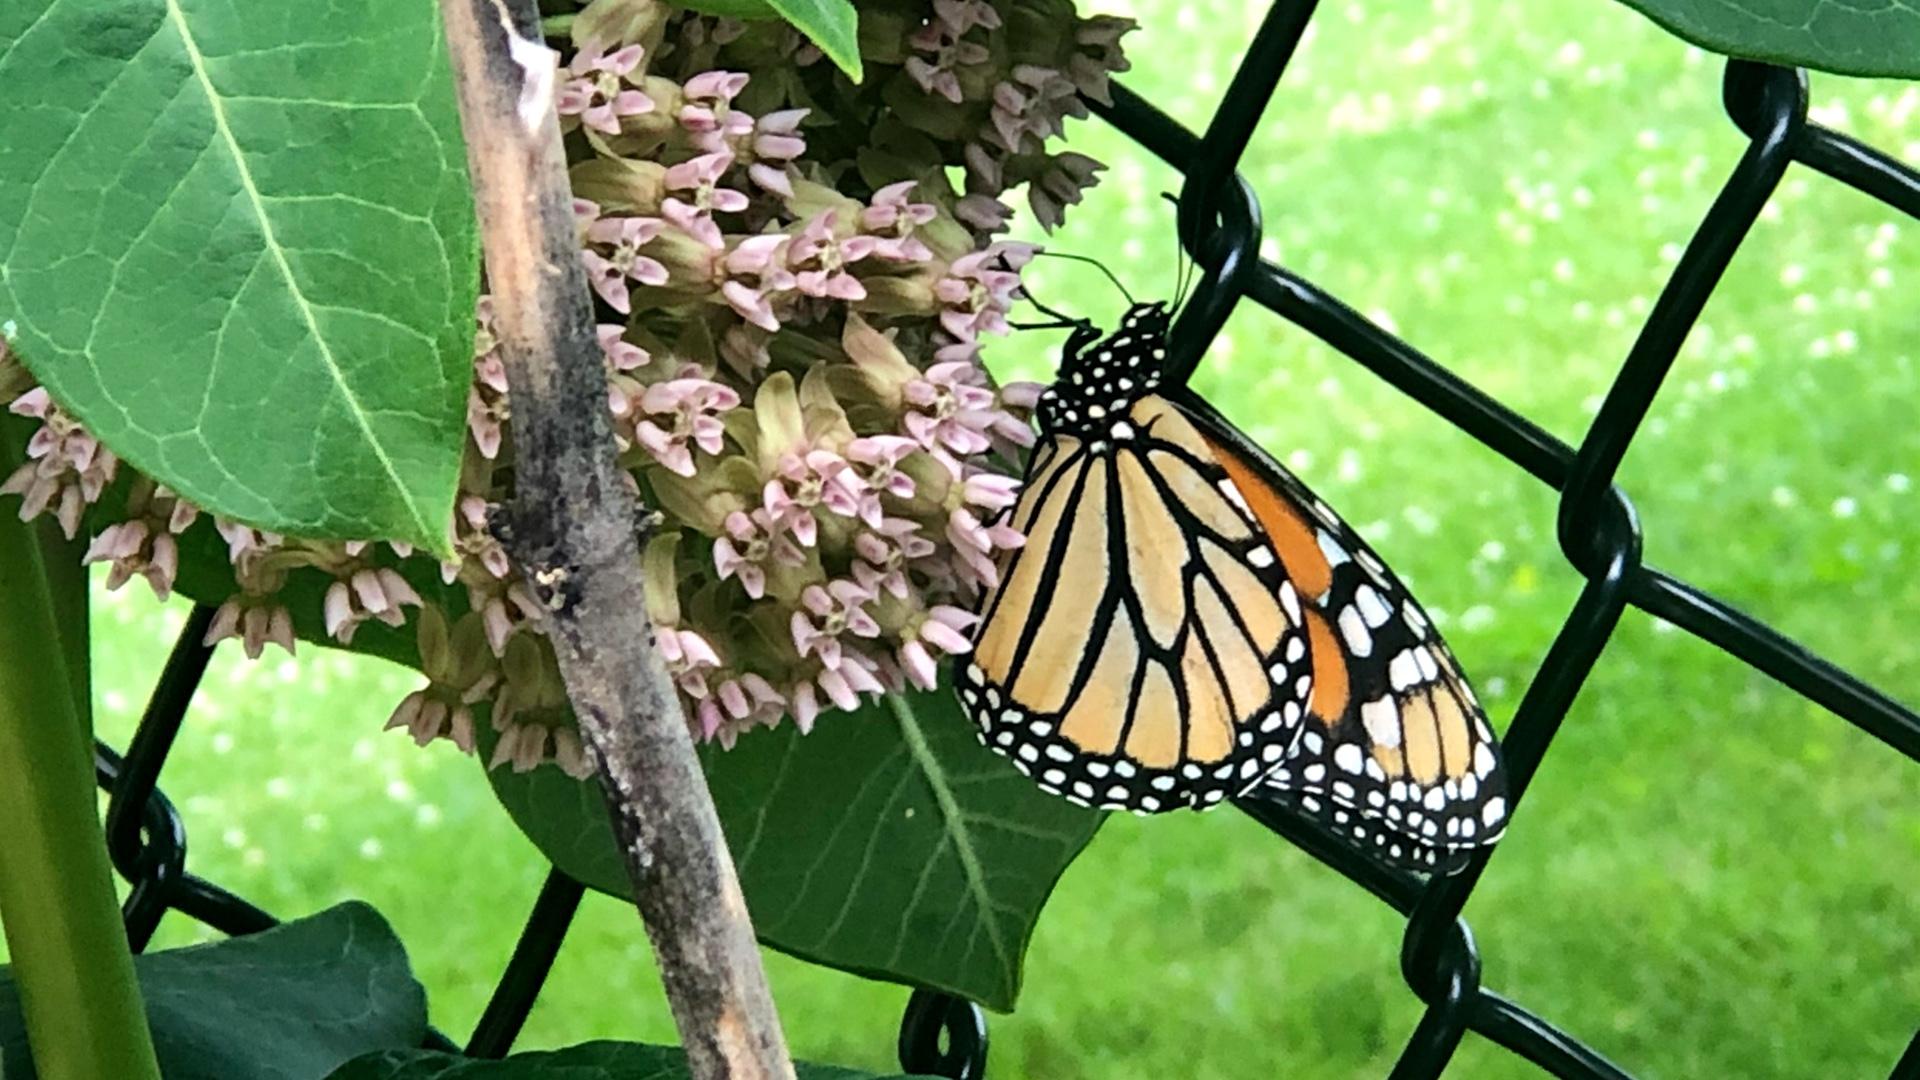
(1101, 378)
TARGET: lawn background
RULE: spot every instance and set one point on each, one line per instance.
(1711, 877)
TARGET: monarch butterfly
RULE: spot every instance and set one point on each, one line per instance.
(1188, 623)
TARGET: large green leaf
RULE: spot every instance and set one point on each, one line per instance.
(238, 242)
(291, 1003)
(1848, 37)
(587, 1061)
(887, 842)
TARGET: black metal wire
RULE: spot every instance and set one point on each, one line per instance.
(527, 969)
(1597, 528)
(1598, 531)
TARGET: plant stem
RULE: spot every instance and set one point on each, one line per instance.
(573, 535)
(70, 957)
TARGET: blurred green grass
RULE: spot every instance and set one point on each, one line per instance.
(1712, 878)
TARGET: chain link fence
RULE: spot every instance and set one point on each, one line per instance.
(1598, 529)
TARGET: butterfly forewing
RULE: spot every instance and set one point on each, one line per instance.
(1396, 757)
(1144, 650)
(1188, 623)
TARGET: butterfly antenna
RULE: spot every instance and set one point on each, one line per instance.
(1096, 264)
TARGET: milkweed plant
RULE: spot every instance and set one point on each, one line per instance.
(792, 298)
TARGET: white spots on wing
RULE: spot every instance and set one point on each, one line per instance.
(1381, 718)
(1493, 811)
(1403, 671)
(1436, 799)
(1429, 667)
(1349, 757)
(1260, 557)
(1415, 618)
(1330, 548)
(1290, 600)
(1354, 629)
(1372, 607)
(1296, 648)
(1482, 760)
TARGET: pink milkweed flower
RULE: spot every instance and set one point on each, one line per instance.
(602, 88)
(255, 620)
(950, 408)
(819, 259)
(755, 277)
(805, 481)
(623, 237)
(741, 703)
(941, 632)
(683, 412)
(984, 212)
(134, 547)
(856, 674)
(837, 609)
(244, 540)
(622, 356)
(427, 718)
(523, 746)
(370, 593)
(505, 605)
(990, 491)
(700, 178)
(974, 544)
(880, 456)
(944, 49)
(66, 467)
(709, 114)
(474, 542)
(876, 459)
(978, 290)
(1062, 185)
(892, 219)
(776, 140)
(753, 541)
(688, 657)
(885, 553)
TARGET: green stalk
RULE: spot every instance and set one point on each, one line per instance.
(70, 958)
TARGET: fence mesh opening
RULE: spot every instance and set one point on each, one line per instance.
(1599, 534)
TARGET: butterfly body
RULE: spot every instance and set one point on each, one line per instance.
(1188, 623)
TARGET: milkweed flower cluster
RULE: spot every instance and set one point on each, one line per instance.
(791, 310)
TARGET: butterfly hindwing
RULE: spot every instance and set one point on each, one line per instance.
(1144, 650)
(1396, 756)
